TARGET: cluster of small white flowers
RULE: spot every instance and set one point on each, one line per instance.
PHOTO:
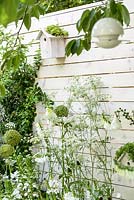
(14, 176)
(10, 125)
(40, 133)
(87, 195)
(114, 125)
(70, 196)
(5, 198)
(55, 186)
(34, 140)
(16, 193)
(40, 159)
(25, 188)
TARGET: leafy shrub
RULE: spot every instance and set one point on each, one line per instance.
(56, 30)
(20, 100)
(55, 5)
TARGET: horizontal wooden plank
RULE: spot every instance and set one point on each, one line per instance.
(32, 49)
(97, 54)
(109, 80)
(126, 193)
(87, 68)
(116, 94)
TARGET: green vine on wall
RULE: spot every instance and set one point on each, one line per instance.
(19, 103)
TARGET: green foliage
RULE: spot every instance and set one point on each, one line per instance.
(8, 11)
(56, 30)
(55, 5)
(14, 10)
(20, 100)
(21, 180)
(89, 17)
(12, 54)
(2, 90)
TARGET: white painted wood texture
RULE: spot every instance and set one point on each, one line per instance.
(114, 66)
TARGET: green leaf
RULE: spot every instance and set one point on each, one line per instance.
(35, 12)
(16, 62)
(91, 20)
(69, 47)
(20, 13)
(9, 63)
(82, 23)
(41, 10)
(78, 25)
(28, 2)
(113, 7)
(27, 21)
(118, 14)
(86, 44)
(8, 11)
(125, 15)
(76, 47)
(2, 90)
(79, 47)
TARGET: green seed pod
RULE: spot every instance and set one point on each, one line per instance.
(12, 137)
(6, 150)
(61, 111)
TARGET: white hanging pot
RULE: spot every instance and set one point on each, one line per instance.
(115, 124)
(107, 31)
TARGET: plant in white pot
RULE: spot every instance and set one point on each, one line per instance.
(52, 41)
(124, 156)
(124, 160)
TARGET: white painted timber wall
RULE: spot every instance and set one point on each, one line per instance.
(114, 66)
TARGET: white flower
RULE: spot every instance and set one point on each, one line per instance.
(16, 194)
(34, 185)
(5, 177)
(55, 186)
(35, 195)
(38, 129)
(10, 125)
(4, 44)
(118, 195)
(19, 185)
(14, 175)
(40, 160)
(26, 194)
(5, 198)
(107, 126)
(115, 124)
(50, 114)
(25, 186)
(87, 195)
(70, 196)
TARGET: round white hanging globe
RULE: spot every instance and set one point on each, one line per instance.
(107, 31)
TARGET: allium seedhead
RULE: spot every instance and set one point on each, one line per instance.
(12, 137)
(6, 150)
(61, 111)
